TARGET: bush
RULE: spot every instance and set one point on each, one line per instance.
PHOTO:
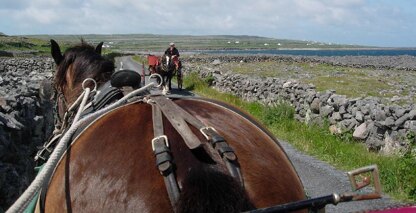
(209, 80)
(277, 114)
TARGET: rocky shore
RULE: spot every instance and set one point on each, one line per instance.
(384, 128)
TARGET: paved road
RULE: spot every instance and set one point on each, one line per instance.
(318, 177)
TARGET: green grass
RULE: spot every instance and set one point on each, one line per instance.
(16, 44)
(398, 174)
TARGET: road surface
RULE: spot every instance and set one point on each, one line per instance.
(318, 177)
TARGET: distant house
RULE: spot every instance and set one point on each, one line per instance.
(237, 42)
(279, 44)
(266, 44)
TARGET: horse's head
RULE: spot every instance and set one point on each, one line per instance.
(75, 65)
(169, 63)
(165, 60)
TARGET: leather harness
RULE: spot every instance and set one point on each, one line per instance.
(179, 119)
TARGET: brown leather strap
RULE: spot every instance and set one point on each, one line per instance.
(176, 117)
(160, 146)
(157, 121)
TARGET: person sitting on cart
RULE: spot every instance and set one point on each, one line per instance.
(172, 51)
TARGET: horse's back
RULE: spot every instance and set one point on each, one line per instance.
(266, 169)
(110, 166)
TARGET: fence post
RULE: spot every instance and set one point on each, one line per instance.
(143, 76)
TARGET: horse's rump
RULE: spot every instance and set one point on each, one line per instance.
(110, 166)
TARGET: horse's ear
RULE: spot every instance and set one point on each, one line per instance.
(56, 52)
(99, 48)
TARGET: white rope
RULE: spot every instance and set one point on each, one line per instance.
(77, 102)
(85, 97)
(82, 105)
(30, 193)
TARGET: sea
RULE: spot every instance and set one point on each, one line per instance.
(318, 52)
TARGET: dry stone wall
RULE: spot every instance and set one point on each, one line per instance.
(381, 127)
(26, 120)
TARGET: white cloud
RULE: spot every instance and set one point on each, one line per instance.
(325, 12)
(45, 16)
(308, 19)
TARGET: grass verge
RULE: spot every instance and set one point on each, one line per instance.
(398, 174)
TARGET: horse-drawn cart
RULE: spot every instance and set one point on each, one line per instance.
(153, 63)
(167, 67)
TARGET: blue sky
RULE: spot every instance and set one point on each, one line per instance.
(366, 22)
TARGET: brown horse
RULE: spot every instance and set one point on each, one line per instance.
(109, 167)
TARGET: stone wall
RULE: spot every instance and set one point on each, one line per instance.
(381, 127)
(26, 120)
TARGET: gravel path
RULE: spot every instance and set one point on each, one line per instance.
(318, 177)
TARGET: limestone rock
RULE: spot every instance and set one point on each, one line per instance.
(389, 122)
(361, 132)
(216, 62)
(359, 116)
(10, 121)
(334, 129)
(315, 106)
(325, 111)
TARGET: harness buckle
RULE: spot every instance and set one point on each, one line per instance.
(207, 128)
(160, 137)
(361, 178)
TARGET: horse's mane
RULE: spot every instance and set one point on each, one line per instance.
(85, 62)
